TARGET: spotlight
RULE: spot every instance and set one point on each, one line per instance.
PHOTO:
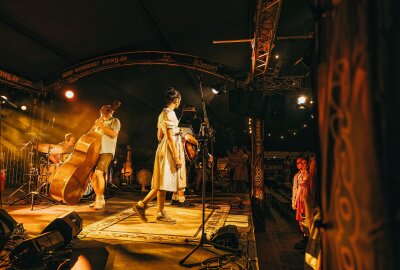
(282, 137)
(305, 125)
(269, 134)
(23, 107)
(311, 101)
(219, 89)
(69, 94)
(277, 56)
(301, 100)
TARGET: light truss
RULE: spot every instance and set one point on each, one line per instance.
(267, 18)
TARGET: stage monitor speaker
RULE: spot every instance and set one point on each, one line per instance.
(30, 251)
(7, 225)
(246, 102)
(227, 236)
(69, 225)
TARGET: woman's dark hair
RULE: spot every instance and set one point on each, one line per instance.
(171, 94)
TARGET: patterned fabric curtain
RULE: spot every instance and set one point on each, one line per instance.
(359, 216)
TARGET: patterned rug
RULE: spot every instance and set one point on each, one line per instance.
(125, 225)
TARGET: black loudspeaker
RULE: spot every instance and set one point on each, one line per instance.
(246, 102)
(227, 236)
(277, 104)
(7, 225)
(69, 225)
(30, 251)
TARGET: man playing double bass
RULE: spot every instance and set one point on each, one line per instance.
(108, 127)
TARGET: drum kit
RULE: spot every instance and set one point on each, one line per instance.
(40, 172)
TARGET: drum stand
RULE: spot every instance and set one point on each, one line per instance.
(33, 180)
(33, 177)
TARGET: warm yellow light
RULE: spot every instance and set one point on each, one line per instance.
(23, 107)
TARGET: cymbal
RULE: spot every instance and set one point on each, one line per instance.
(36, 135)
(50, 148)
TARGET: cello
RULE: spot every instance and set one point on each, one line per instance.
(72, 178)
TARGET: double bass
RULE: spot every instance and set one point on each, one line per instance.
(72, 178)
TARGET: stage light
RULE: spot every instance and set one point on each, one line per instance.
(301, 100)
(311, 101)
(305, 125)
(69, 94)
(312, 116)
(218, 89)
(269, 134)
(23, 107)
(294, 133)
(282, 137)
(277, 56)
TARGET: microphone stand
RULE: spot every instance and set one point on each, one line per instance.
(204, 243)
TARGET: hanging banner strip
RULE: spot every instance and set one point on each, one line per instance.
(72, 74)
(18, 82)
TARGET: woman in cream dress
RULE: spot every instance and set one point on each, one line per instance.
(169, 172)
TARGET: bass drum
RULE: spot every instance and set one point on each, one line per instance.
(144, 177)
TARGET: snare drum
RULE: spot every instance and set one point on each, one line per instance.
(144, 177)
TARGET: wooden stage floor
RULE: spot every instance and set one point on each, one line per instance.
(114, 237)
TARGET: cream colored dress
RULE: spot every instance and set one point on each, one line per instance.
(165, 175)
